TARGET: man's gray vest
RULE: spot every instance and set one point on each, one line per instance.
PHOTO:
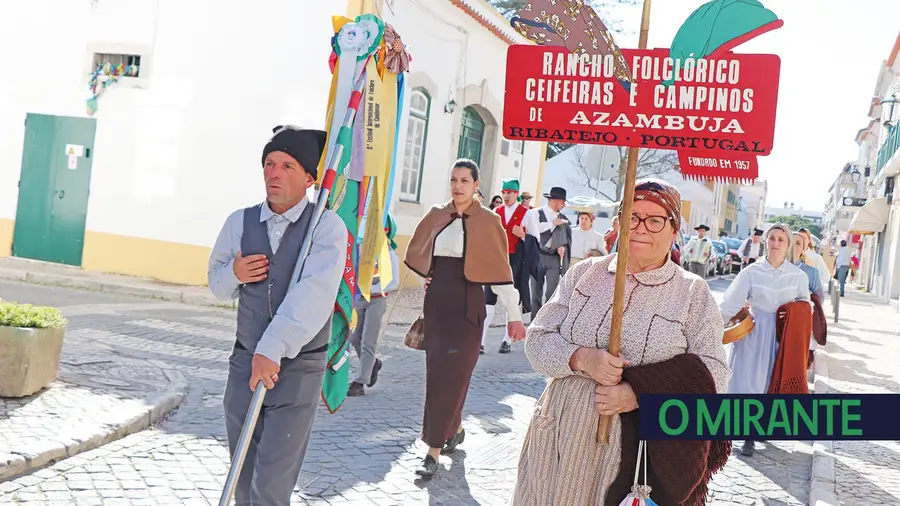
(260, 301)
(545, 236)
(749, 244)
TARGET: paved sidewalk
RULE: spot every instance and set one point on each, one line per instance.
(863, 354)
(45, 273)
(98, 397)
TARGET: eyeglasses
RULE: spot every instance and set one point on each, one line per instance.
(653, 224)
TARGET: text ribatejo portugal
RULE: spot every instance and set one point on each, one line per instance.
(870, 417)
(725, 104)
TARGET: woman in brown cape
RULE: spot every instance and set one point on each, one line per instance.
(458, 247)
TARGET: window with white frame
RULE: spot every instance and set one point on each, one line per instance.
(414, 151)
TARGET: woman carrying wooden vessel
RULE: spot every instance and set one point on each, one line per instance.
(458, 247)
(671, 343)
(767, 285)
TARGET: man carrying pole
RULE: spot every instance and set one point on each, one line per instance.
(283, 324)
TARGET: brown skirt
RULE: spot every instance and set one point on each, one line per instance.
(454, 315)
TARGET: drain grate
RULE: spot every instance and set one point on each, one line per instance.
(496, 455)
(306, 480)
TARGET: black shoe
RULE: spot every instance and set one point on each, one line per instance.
(454, 441)
(375, 370)
(427, 468)
(356, 389)
(504, 347)
(748, 449)
(482, 350)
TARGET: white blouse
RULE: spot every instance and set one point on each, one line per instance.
(765, 287)
(450, 243)
(586, 240)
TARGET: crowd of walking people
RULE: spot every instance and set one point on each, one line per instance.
(473, 254)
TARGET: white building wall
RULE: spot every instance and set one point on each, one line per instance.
(178, 149)
(454, 56)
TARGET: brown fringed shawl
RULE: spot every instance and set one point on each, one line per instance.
(820, 322)
(678, 471)
(486, 259)
(793, 326)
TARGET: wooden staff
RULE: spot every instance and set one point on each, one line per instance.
(615, 331)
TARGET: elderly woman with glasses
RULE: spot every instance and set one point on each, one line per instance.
(671, 343)
(766, 285)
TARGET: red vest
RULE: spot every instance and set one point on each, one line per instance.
(517, 217)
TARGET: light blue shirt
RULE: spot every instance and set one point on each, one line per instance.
(765, 287)
(815, 284)
(310, 302)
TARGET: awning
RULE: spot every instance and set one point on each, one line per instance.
(871, 218)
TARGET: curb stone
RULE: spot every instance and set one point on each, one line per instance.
(166, 294)
(52, 451)
(822, 486)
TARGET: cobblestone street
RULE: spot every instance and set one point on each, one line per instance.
(363, 455)
(863, 349)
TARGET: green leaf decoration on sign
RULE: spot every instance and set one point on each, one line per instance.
(719, 26)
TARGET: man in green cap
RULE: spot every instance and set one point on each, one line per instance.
(369, 314)
(520, 223)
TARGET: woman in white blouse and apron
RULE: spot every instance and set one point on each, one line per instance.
(766, 285)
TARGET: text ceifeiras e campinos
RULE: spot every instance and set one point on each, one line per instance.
(702, 85)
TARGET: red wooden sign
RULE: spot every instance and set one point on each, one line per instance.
(735, 166)
(717, 107)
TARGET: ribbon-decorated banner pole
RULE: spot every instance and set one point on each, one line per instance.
(368, 56)
(354, 44)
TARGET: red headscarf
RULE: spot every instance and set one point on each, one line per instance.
(661, 193)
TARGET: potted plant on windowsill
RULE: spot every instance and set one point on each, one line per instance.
(31, 341)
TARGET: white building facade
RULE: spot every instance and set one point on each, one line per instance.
(752, 206)
(455, 87)
(846, 196)
(878, 220)
(143, 185)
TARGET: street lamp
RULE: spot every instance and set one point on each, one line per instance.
(891, 120)
(851, 175)
(450, 107)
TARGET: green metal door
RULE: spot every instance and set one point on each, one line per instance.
(471, 135)
(53, 188)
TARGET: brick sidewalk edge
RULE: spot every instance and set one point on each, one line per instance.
(822, 486)
(159, 293)
(157, 407)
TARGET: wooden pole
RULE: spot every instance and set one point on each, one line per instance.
(615, 331)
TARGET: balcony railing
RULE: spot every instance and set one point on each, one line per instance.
(888, 149)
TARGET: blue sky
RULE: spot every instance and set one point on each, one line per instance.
(831, 52)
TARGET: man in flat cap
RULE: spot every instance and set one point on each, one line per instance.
(697, 252)
(753, 248)
(283, 323)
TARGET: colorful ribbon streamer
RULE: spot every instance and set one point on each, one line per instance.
(103, 76)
